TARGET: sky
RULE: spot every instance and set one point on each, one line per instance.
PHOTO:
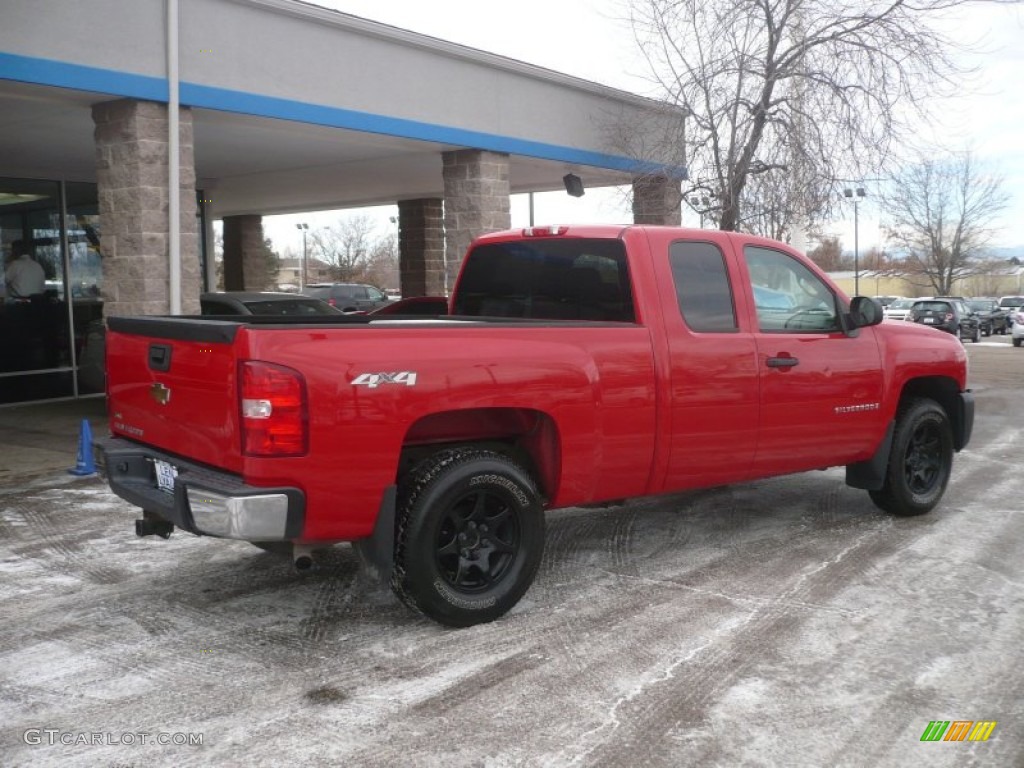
(591, 40)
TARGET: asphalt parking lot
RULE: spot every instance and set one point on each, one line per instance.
(780, 623)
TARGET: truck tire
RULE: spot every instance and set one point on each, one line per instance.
(469, 536)
(920, 462)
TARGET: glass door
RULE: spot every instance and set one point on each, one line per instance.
(36, 359)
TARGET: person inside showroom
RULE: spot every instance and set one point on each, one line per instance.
(24, 275)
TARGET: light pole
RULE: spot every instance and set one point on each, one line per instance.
(855, 195)
(701, 206)
(302, 267)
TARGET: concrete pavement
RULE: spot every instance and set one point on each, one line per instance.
(42, 438)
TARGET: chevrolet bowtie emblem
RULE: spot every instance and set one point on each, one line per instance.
(160, 393)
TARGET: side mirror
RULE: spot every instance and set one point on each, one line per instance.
(865, 311)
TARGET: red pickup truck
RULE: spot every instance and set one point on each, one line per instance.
(577, 365)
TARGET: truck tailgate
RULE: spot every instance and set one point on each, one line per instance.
(172, 384)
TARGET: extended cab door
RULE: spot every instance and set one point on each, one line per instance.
(713, 401)
(821, 390)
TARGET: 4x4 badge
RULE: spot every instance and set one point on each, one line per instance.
(374, 380)
(160, 393)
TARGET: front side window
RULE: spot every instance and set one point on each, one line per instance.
(788, 296)
(702, 287)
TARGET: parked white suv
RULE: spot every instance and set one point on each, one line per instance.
(1017, 331)
(1011, 304)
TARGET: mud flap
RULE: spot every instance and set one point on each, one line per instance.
(378, 550)
(963, 424)
(870, 475)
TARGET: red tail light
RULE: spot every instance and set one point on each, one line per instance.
(275, 419)
(949, 316)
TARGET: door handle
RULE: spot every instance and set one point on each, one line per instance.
(160, 357)
(782, 362)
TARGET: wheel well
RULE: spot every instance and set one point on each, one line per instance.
(528, 436)
(945, 392)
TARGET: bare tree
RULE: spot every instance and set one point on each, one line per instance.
(828, 254)
(345, 246)
(784, 97)
(382, 264)
(941, 215)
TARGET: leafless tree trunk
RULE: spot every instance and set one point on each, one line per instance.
(784, 97)
(941, 214)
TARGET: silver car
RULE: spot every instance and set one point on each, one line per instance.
(899, 309)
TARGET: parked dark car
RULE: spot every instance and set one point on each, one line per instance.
(91, 356)
(991, 317)
(348, 297)
(263, 303)
(950, 315)
(420, 306)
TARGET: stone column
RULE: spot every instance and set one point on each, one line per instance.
(421, 246)
(657, 199)
(132, 178)
(476, 200)
(246, 266)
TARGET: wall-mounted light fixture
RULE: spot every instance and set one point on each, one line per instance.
(573, 184)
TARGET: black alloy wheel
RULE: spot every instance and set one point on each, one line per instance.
(469, 536)
(920, 461)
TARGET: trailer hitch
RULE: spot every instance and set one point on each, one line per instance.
(153, 525)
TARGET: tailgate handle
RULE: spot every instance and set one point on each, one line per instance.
(160, 357)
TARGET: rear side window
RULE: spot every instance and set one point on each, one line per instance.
(702, 287)
(549, 279)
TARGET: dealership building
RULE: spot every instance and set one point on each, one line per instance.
(269, 107)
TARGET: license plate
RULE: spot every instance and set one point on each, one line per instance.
(930, 320)
(165, 474)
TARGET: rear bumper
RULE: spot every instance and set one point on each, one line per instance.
(205, 501)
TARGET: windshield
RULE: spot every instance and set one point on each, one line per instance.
(1011, 301)
(902, 304)
(982, 305)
